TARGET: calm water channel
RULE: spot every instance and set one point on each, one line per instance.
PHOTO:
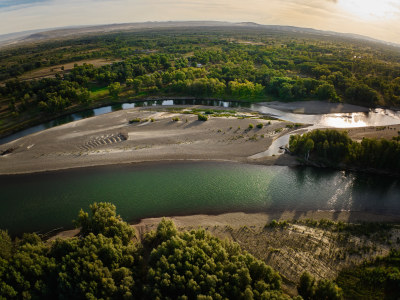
(41, 202)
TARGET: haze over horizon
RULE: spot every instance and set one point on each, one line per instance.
(380, 20)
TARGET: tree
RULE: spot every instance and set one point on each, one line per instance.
(362, 94)
(307, 148)
(306, 286)
(327, 91)
(328, 290)
(136, 84)
(324, 289)
(104, 220)
(114, 89)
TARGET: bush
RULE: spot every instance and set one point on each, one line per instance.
(104, 220)
(260, 125)
(136, 120)
(175, 119)
(311, 289)
(201, 117)
(251, 126)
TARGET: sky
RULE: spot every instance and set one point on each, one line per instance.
(375, 18)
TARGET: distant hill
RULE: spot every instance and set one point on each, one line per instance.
(69, 32)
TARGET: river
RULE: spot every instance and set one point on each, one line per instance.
(45, 201)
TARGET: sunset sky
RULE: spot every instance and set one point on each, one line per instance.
(378, 19)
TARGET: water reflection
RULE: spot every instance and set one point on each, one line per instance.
(376, 117)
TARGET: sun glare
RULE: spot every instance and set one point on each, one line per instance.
(369, 9)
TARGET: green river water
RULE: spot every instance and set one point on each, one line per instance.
(45, 201)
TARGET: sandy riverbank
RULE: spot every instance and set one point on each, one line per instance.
(110, 139)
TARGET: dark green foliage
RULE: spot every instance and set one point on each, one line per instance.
(362, 94)
(104, 220)
(310, 289)
(260, 125)
(275, 224)
(333, 148)
(5, 245)
(378, 279)
(327, 91)
(94, 267)
(306, 286)
(195, 264)
(104, 263)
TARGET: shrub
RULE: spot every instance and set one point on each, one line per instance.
(251, 126)
(175, 119)
(202, 117)
(260, 125)
(136, 120)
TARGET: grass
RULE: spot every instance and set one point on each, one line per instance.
(98, 91)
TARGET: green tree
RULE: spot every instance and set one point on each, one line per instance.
(114, 89)
(306, 286)
(137, 84)
(327, 91)
(104, 220)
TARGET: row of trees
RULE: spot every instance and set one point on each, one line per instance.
(334, 148)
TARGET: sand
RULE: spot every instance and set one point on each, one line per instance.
(110, 139)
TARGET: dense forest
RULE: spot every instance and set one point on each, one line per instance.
(228, 63)
(106, 262)
(334, 148)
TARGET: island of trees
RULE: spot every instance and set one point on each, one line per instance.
(227, 63)
(335, 149)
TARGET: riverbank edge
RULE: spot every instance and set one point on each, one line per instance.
(279, 160)
(240, 219)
